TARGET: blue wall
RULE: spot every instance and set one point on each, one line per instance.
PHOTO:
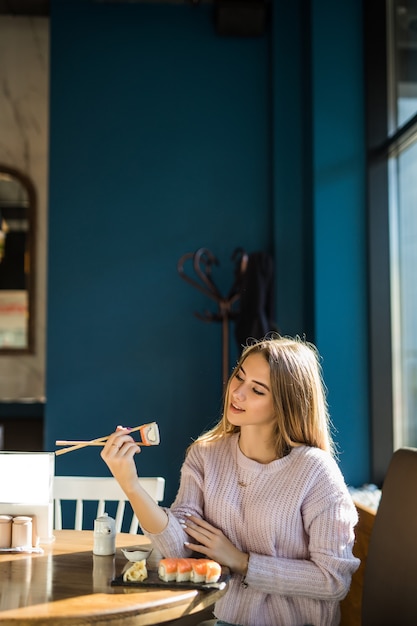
(340, 263)
(165, 138)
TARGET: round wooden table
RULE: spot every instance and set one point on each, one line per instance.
(67, 584)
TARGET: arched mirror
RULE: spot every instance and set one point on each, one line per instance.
(17, 261)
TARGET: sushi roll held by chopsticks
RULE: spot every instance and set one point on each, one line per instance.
(149, 434)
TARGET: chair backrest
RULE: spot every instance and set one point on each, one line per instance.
(390, 581)
(100, 490)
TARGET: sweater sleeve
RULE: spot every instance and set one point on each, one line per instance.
(189, 500)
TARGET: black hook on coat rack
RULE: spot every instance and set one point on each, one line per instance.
(203, 261)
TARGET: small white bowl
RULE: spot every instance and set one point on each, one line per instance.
(137, 555)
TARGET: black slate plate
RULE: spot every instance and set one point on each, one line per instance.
(153, 580)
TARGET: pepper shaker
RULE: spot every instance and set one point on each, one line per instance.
(22, 532)
(104, 535)
(5, 531)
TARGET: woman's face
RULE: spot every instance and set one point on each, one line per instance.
(250, 397)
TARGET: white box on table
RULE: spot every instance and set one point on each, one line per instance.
(26, 488)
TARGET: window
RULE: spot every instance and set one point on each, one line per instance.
(402, 61)
(391, 84)
(402, 168)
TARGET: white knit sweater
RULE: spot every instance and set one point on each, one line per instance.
(295, 518)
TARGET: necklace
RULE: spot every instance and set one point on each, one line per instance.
(244, 483)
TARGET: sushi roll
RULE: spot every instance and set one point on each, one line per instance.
(184, 570)
(199, 570)
(149, 434)
(167, 570)
(205, 571)
(195, 570)
(213, 572)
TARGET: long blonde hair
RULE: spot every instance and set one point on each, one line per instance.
(298, 395)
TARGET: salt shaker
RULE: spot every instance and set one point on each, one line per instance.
(5, 531)
(22, 532)
(104, 535)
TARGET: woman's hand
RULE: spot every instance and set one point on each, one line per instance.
(211, 542)
(118, 454)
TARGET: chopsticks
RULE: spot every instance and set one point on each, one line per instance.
(149, 433)
(76, 442)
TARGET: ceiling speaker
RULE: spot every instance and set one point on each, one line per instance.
(240, 18)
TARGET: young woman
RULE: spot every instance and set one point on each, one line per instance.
(261, 493)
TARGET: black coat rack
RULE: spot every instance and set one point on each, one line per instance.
(253, 287)
(203, 261)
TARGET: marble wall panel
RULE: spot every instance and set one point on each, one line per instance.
(24, 113)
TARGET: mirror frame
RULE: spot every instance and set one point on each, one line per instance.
(32, 211)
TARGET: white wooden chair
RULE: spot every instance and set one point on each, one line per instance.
(101, 490)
